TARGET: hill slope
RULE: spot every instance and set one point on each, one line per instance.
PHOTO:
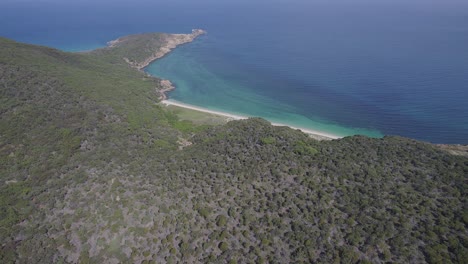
(93, 170)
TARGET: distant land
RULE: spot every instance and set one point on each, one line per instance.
(168, 42)
(94, 168)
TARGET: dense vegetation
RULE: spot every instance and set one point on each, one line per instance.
(136, 48)
(92, 170)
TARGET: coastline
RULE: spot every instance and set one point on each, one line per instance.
(313, 133)
(170, 42)
(167, 86)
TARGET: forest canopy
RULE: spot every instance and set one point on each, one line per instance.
(92, 170)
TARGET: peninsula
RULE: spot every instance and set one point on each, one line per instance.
(140, 50)
(150, 47)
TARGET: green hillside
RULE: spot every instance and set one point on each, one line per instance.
(93, 170)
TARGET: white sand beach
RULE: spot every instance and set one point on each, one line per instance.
(314, 133)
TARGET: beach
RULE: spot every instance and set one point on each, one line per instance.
(313, 133)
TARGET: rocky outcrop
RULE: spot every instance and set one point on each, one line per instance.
(166, 87)
(172, 41)
(166, 43)
(141, 49)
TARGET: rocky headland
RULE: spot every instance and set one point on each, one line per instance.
(140, 50)
(155, 50)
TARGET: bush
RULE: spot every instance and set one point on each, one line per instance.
(221, 221)
(223, 246)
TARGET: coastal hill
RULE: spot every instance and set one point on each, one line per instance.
(141, 49)
(94, 170)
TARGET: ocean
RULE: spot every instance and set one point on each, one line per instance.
(344, 67)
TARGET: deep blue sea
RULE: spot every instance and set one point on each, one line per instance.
(346, 67)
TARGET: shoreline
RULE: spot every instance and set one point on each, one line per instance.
(171, 41)
(167, 86)
(315, 134)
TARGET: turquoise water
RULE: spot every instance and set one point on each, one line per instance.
(344, 67)
(201, 86)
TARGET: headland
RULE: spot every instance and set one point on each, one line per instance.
(164, 44)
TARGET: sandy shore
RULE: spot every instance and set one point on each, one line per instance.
(313, 133)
